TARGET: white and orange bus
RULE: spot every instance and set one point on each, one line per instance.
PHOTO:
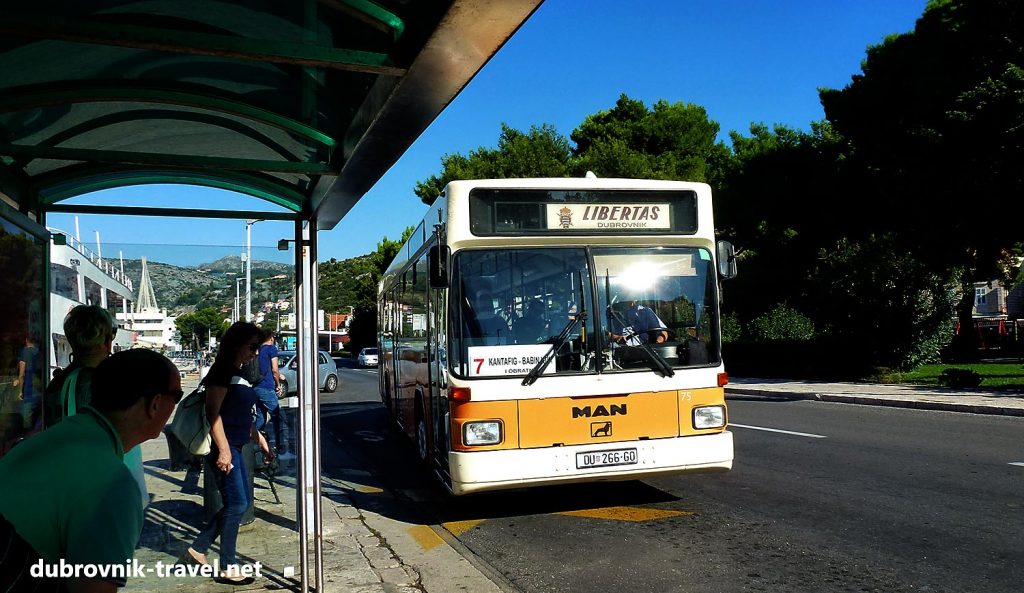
(544, 331)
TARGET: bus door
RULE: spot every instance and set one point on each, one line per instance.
(406, 353)
(438, 357)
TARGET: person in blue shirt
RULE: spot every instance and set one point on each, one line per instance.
(638, 325)
(266, 389)
(29, 379)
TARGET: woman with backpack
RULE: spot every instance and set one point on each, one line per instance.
(229, 404)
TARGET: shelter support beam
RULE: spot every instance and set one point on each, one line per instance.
(309, 470)
(194, 162)
(170, 212)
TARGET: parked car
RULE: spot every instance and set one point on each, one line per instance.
(288, 367)
(367, 357)
(185, 360)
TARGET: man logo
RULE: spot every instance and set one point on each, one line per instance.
(600, 429)
(588, 412)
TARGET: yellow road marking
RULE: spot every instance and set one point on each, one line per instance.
(425, 537)
(428, 539)
(635, 514)
(459, 527)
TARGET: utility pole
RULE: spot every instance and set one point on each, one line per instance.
(248, 267)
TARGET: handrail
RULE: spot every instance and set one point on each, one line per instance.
(104, 265)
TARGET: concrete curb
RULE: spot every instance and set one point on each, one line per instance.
(869, 400)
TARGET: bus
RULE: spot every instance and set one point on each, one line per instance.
(548, 331)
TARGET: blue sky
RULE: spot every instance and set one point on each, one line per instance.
(744, 61)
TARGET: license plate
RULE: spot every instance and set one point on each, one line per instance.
(606, 458)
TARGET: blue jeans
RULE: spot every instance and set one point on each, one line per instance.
(225, 523)
(269, 405)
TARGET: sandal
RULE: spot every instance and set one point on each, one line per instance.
(195, 557)
(224, 579)
(231, 576)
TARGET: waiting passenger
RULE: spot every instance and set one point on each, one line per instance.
(65, 493)
(90, 330)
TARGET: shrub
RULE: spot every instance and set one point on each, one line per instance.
(731, 328)
(782, 324)
(960, 378)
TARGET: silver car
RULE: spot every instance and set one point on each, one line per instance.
(367, 357)
(287, 365)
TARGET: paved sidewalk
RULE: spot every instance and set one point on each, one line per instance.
(976, 401)
(366, 550)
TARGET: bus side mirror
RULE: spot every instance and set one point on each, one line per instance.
(726, 260)
(437, 264)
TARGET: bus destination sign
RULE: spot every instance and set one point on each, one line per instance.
(504, 361)
(607, 216)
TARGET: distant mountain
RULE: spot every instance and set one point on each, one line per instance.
(169, 281)
(182, 290)
(233, 264)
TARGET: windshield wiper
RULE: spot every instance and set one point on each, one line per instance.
(658, 363)
(559, 340)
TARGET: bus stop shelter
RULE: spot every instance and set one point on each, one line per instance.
(300, 105)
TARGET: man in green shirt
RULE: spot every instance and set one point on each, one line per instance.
(66, 491)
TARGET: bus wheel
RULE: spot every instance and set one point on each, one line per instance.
(421, 436)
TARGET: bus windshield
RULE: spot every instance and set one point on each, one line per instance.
(511, 307)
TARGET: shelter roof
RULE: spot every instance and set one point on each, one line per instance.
(304, 104)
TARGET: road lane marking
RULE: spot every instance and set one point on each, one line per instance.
(633, 514)
(799, 434)
(459, 527)
(1020, 463)
(425, 537)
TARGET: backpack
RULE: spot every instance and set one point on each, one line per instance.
(251, 371)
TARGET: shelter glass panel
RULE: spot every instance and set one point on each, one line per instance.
(22, 359)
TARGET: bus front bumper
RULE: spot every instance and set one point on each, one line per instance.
(480, 471)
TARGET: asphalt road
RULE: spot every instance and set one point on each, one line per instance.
(844, 498)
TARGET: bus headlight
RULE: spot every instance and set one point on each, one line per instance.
(709, 417)
(486, 432)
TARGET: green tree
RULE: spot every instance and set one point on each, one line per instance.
(879, 299)
(337, 291)
(542, 152)
(668, 141)
(781, 199)
(196, 327)
(935, 124)
(363, 330)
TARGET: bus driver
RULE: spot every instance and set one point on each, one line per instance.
(638, 324)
